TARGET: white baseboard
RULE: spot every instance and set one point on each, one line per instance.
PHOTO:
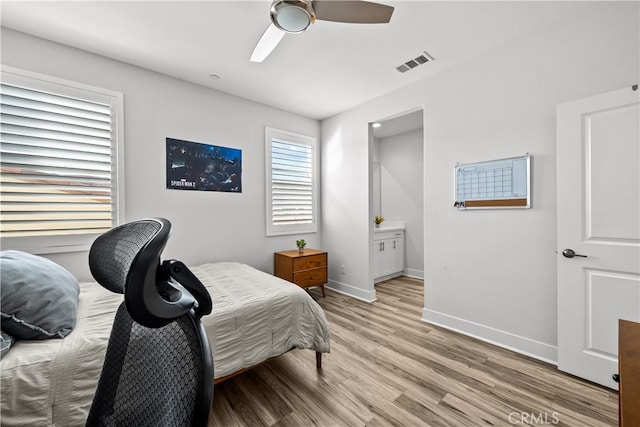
(352, 291)
(412, 272)
(528, 347)
(416, 274)
(387, 277)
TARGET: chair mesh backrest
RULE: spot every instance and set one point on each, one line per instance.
(157, 371)
(151, 376)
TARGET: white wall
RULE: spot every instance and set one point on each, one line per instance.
(488, 273)
(207, 226)
(402, 192)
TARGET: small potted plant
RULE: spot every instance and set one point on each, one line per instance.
(378, 220)
(301, 244)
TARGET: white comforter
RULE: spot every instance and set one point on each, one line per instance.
(255, 316)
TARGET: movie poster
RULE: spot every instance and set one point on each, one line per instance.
(196, 166)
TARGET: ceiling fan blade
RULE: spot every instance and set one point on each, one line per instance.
(358, 12)
(267, 43)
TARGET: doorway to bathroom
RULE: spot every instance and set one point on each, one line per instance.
(398, 195)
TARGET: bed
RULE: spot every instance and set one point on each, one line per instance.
(255, 317)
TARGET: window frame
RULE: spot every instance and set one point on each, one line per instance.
(287, 229)
(74, 242)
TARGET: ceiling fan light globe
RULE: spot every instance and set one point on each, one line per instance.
(292, 16)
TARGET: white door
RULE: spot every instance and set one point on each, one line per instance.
(388, 256)
(377, 258)
(598, 153)
(398, 251)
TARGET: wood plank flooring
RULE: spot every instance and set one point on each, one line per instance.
(388, 368)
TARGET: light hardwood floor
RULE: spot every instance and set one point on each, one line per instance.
(386, 367)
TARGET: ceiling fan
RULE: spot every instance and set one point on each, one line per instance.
(295, 16)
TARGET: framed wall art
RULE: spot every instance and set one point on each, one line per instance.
(204, 167)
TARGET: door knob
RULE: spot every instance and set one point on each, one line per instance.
(570, 253)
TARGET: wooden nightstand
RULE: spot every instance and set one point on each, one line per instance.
(306, 269)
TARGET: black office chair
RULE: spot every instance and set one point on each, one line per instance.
(158, 369)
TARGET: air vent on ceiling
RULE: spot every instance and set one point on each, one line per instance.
(413, 63)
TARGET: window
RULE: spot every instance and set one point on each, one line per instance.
(58, 162)
(291, 183)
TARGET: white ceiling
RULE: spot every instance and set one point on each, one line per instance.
(327, 69)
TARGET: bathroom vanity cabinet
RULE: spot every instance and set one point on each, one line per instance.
(388, 254)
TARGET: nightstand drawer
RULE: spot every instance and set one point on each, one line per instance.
(313, 277)
(310, 261)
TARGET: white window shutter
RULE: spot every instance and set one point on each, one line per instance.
(291, 183)
(56, 164)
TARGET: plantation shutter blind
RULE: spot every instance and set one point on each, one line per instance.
(55, 159)
(291, 183)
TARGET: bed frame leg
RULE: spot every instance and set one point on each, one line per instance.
(318, 360)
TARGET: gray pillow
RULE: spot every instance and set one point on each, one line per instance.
(39, 297)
